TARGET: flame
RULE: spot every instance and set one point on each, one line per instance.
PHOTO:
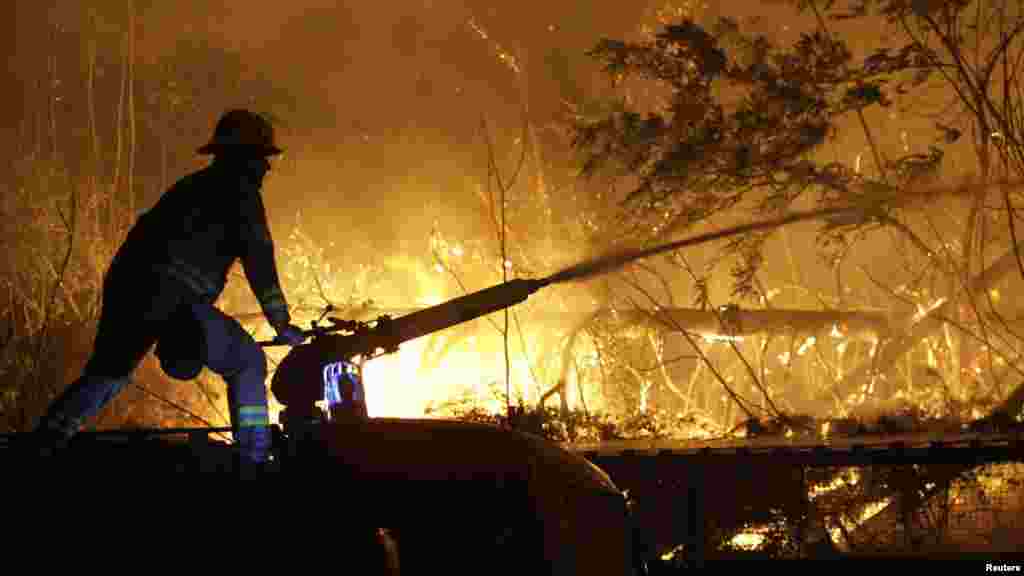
(850, 478)
(437, 369)
(747, 540)
(924, 311)
(404, 387)
(711, 338)
(678, 550)
(868, 512)
(874, 347)
(406, 383)
(806, 345)
(753, 537)
(645, 388)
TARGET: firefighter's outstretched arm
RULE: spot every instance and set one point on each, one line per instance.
(259, 264)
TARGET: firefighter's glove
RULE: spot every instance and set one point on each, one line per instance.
(290, 335)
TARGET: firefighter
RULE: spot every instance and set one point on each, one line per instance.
(161, 287)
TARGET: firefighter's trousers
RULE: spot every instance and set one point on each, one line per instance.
(137, 312)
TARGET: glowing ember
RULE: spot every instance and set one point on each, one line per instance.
(645, 388)
(671, 554)
(806, 345)
(848, 478)
(711, 338)
(841, 347)
(866, 514)
(874, 348)
(747, 540)
(922, 311)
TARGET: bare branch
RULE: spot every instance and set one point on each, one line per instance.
(739, 401)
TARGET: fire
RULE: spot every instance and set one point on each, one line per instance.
(712, 338)
(754, 537)
(806, 345)
(850, 524)
(406, 383)
(747, 540)
(924, 311)
(435, 369)
(850, 477)
(403, 385)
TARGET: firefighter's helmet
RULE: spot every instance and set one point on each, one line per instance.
(240, 130)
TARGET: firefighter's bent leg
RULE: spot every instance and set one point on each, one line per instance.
(79, 402)
(235, 355)
(132, 316)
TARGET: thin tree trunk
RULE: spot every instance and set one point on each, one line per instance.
(119, 147)
(130, 74)
(52, 95)
(95, 167)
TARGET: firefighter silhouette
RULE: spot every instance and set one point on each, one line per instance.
(161, 287)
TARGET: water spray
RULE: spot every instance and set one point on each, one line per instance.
(615, 260)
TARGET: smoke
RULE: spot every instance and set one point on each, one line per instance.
(615, 260)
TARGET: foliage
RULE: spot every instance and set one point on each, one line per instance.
(740, 124)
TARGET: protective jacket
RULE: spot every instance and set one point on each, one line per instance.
(199, 228)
